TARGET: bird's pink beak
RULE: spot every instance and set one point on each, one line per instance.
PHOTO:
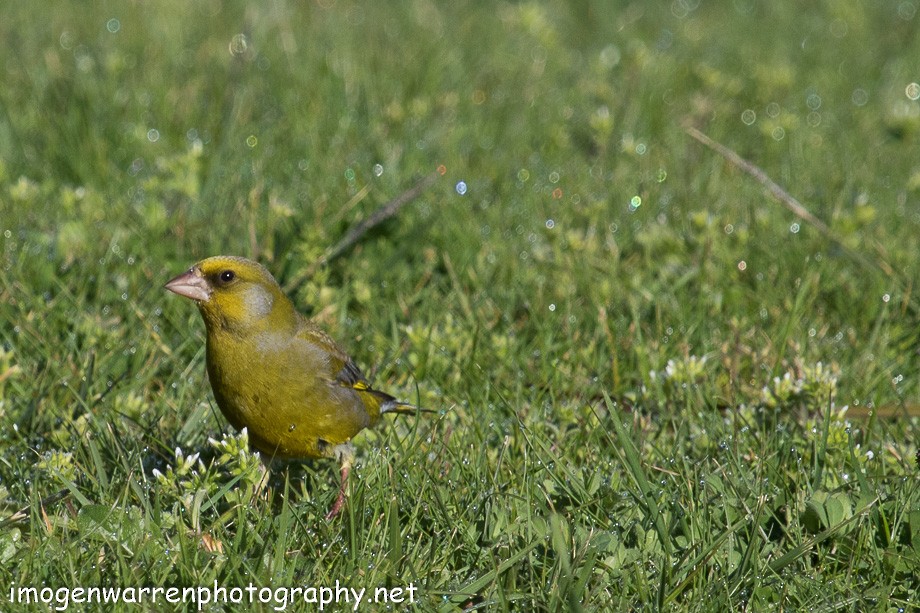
(191, 285)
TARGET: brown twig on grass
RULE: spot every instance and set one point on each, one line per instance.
(791, 203)
(379, 216)
(23, 513)
(804, 214)
(357, 231)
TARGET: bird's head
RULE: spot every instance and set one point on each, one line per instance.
(233, 293)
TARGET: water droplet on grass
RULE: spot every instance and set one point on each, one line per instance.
(813, 101)
(239, 44)
(912, 91)
(859, 97)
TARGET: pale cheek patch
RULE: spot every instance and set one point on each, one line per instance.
(258, 302)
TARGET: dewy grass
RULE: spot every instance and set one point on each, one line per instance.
(655, 386)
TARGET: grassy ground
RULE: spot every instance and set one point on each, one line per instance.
(657, 387)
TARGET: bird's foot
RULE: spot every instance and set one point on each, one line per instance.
(347, 460)
(338, 505)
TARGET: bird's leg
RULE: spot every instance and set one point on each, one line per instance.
(346, 455)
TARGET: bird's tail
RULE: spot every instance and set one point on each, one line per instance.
(402, 408)
(384, 403)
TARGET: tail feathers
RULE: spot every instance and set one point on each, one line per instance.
(402, 408)
(384, 403)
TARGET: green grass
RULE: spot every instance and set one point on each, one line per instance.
(656, 387)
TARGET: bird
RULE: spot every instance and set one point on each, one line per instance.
(275, 372)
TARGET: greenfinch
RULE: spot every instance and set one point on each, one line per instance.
(275, 372)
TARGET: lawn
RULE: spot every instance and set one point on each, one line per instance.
(656, 383)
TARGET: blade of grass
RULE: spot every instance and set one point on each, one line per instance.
(474, 587)
(801, 549)
(634, 465)
(699, 562)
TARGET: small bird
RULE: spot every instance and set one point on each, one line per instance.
(275, 372)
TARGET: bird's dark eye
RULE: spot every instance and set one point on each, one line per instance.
(227, 276)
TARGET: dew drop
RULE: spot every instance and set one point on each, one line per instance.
(239, 44)
(66, 40)
(913, 91)
(859, 97)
